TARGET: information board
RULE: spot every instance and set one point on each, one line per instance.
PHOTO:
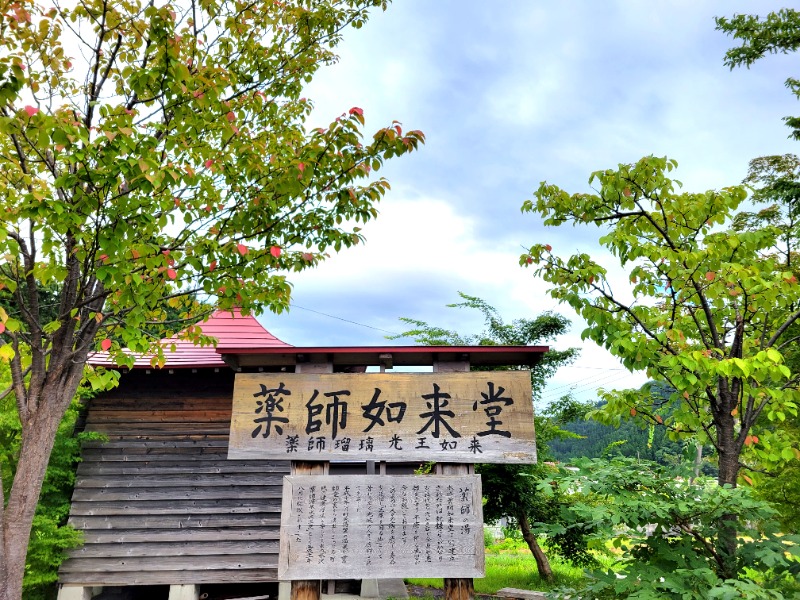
(477, 417)
(354, 526)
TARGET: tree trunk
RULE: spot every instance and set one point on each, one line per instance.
(38, 437)
(727, 543)
(542, 564)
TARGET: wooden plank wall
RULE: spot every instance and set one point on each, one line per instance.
(159, 502)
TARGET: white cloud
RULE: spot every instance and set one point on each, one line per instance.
(509, 94)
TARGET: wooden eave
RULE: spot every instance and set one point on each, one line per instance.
(389, 356)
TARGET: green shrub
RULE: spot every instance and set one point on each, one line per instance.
(667, 533)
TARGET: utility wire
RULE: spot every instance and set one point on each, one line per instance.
(581, 388)
(345, 320)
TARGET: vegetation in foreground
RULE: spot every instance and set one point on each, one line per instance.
(509, 563)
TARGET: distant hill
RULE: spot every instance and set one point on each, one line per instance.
(629, 439)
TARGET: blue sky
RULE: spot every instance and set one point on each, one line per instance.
(510, 93)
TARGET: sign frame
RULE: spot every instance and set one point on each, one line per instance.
(442, 536)
(453, 417)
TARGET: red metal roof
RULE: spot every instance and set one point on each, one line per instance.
(229, 328)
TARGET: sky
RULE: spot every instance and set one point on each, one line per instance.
(509, 94)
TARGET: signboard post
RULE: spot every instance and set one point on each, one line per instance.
(431, 527)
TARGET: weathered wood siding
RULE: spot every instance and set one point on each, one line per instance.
(159, 503)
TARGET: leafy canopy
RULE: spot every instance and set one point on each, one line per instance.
(157, 157)
(519, 332)
(153, 150)
(776, 33)
(706, 311)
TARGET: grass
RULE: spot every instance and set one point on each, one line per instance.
(509, 563)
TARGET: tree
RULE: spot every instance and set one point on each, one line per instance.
(775, 181)
(778, 32)
(510, 490)
(150, 151)
(50, 534)
(708, 312)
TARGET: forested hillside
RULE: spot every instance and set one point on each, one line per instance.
(629, 439)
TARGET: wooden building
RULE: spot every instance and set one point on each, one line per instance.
(159, 502)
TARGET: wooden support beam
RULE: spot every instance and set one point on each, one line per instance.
(307, 589)
(456, 588)
(459, 588)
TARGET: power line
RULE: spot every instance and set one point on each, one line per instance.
(582, 388)
(345, 320)
(580, 382)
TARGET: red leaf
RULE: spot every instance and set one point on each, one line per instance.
(209, 163)
(301, 167)
(627, 192)
(633, 412)
(710, 276)
(31, 110)
(231, 116)
(172, 273)
(548, 247)
(308, 257)
(135, 253)
(105, 344)
(2, 327)
(275, 251)
(357, 111)
(212, 266)
(242, 249)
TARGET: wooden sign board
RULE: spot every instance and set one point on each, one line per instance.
(478, 417)
(353, 526)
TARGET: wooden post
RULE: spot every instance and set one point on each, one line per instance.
(459, 588)
(462, 588)
(309, 589)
